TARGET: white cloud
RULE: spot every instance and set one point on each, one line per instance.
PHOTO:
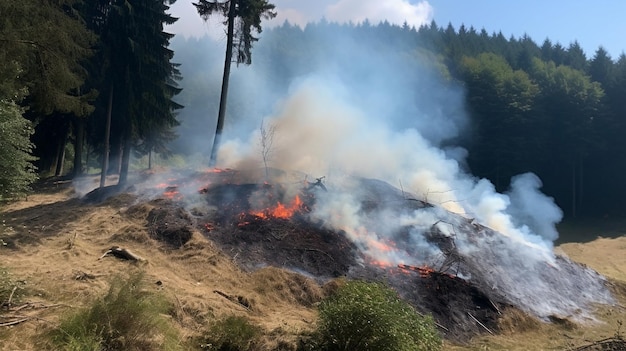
(301, 12)
(394, 11)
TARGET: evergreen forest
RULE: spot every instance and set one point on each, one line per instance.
(92, 85)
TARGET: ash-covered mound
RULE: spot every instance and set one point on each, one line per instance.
(507, 267)
(253, 226)
(460, 271)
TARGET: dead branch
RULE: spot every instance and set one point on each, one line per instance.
(494, 306)
(32, 306)
(267, 141)
(14, 322)
(482, 325)
(11, 296)
(613, 341)
(21, 318)
(80, 275)
(240, 300)
(122, 254)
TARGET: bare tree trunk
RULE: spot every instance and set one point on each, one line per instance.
(574, 190)
(225, 80)
(107, 134)
(580, 184)
(119, 159)
(79, 133)
(125, 159)
(150, 159)
(61, 155)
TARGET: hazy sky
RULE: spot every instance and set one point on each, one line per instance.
(591, 23)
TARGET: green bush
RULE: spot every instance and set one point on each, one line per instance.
(231, 334)
(370, 316)
(17, 172)
(126, 318)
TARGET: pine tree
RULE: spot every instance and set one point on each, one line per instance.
(47, 43)
(242, 17)
(16, 169)
(140, 77)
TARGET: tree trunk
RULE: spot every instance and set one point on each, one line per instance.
(120, 157)
(150, 159)
(225, 80)
(79, 133)
(60, 155)
(107, 134)
(574, 190)
(125, 160)
(580, 198)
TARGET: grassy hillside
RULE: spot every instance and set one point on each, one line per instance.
(52, 246)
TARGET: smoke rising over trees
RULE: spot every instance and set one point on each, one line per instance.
(513, 105)
(503, 106)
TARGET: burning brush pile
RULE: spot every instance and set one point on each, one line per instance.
(460, 271)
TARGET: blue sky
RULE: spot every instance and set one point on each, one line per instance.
(592, 24)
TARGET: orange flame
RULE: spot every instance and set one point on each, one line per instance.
(217, 170)
(381, 264)
(423, 271)
(172, 195)
(280, 210)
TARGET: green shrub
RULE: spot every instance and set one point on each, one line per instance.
(231, 334)
(370, 316)
(17, 172)
(126, 318)
(10, 289)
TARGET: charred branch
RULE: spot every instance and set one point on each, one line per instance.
(123, 254)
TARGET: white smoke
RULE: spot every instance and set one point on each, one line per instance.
(533, 209)
(367, 113)
(319, 132)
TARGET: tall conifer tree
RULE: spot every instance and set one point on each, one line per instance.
(242, 17)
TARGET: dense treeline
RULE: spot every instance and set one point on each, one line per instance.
(74, 69)
(547, 109)
(543, 108)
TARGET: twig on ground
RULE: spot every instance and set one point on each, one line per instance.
(482, 325)
(494, 306)
(11, 296)
(14, 322)
(240, 300)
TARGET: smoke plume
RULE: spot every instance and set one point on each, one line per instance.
(366, 113)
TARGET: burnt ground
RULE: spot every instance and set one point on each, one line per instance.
(460, 309)
(287, 243)
(236, 218)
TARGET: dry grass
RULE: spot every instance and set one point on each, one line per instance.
(51, 240)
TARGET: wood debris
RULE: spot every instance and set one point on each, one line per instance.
(123, 254)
